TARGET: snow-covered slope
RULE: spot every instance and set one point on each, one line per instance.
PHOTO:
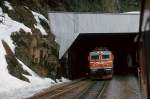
(11, 87)
(8, 26)
(38, 25)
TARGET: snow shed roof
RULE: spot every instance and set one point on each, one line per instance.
(66, 26)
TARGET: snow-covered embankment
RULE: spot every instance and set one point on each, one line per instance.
(10, 86)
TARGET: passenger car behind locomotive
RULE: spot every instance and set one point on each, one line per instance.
(101, 64)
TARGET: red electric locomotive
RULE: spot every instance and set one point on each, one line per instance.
(101, 64)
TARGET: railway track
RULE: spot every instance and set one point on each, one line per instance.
(94, 91)
(81, 89)
(57, 90)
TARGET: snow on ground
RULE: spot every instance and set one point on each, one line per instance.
(38, 24)
(11, 87)
(64, 79)
(7, 4)
(8, 26)
(8, 82)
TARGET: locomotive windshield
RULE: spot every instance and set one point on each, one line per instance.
(105, 56)
(94, 57)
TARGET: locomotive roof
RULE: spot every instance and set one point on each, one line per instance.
(97, 52)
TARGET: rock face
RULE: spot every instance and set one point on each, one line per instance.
(38, 51)
(14, 66)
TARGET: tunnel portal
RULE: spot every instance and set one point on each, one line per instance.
(121, 46)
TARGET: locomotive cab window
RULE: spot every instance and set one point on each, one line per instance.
(105, 56)
(94, 57)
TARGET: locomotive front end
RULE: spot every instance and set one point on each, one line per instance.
(101, 64)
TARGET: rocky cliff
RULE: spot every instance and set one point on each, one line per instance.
(37, 49)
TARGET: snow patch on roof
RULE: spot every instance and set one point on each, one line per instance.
(132, 12)
(8, 5)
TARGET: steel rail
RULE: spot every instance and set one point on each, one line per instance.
(102, 90)
(94, 91)
(69, 88)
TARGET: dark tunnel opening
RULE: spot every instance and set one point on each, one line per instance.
(121, 45)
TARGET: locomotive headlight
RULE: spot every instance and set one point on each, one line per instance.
(108, 69)
(93, 70)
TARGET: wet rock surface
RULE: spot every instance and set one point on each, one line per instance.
(123, 87)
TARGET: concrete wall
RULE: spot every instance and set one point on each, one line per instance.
(66, 26)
